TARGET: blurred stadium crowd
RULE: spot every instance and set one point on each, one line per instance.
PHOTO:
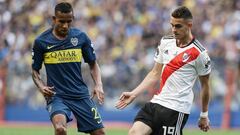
(125, 34)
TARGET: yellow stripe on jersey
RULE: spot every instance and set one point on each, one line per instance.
(63, 56)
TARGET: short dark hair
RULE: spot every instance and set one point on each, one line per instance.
(182, 12)
(63, 7)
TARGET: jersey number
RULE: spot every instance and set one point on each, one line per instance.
(96, 115)
(168, 130)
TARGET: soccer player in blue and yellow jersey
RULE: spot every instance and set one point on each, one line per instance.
(62, 49)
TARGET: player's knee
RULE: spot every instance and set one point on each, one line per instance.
(133, 131)
(60, 129)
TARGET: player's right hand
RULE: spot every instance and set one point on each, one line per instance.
(204, 124)
(47, 91)
(125, 99)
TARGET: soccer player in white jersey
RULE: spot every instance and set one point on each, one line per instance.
(180, 59)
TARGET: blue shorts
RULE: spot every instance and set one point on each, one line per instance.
(84, 110)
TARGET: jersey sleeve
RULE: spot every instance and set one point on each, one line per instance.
(88, 51)
(159, 53)
(37, 55)
(203, 64)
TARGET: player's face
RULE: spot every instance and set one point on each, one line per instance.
(180, 27)
(62, 23)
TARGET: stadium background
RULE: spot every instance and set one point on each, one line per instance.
(126, 34)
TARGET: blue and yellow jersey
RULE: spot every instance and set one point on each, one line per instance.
(62, 60)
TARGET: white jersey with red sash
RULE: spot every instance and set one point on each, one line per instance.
(181, 68)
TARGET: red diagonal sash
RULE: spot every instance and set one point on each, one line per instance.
(176, 63)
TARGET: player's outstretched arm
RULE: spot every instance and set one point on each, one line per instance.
(96, 76)
(203, 122)
(149, 81)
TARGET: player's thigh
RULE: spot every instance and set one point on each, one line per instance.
(146, 115)
(58, 110)
(140, 128)
(86, 114)
(167, 121)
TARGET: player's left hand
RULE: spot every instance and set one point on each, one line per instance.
(204, 124)
(98, 90)
(125, 99)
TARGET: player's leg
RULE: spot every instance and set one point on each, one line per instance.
(143, 122)
(60, 124)
(167, 121)
(87, 116)
(140, 128)
(59, 115)
(98, 132)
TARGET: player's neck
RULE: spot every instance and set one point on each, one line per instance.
(60, 37)
(185, 41)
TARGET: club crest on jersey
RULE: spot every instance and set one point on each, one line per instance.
(185, 57)
(74, 41)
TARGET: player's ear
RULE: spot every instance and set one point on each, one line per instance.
(190, 24)
(54, 18)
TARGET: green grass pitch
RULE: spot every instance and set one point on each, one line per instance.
(43, 130)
